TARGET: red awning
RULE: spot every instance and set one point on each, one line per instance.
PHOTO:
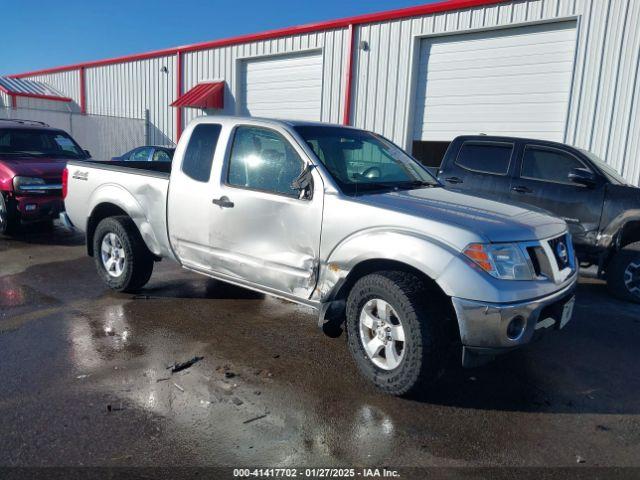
(203, 95)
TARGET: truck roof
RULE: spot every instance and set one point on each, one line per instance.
(14, 123)
(501, 138)
(272, 121)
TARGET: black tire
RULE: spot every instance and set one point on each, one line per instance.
(138, 261)
(9, 220)
(623, 273)
(425, 330)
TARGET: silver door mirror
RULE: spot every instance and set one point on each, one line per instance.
(304, 183)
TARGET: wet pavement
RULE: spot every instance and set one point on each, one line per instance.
(83, 380)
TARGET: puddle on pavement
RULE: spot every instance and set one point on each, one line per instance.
(13, 295)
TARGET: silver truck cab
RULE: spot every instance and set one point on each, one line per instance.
(343, 221)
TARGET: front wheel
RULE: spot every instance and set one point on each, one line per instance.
(623, 273)
(8, 216)
(121, 256)
(396, 333)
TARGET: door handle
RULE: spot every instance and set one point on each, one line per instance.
(521, 189)
(223, 202)
(454, 180)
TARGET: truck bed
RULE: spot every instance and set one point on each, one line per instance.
(138, 188)
(161, 169)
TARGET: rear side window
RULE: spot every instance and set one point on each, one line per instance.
(548, 165)
(485, 157)
(140, 155)
(198, 157)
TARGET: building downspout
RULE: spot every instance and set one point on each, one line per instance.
(83, 91)
(14, 102)
(346, 120)
(178, 94)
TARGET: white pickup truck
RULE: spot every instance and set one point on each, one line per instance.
(343, 221)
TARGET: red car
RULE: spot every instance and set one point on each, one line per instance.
(32, 158)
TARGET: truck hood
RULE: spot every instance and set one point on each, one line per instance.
(497, 222)
(34, 167)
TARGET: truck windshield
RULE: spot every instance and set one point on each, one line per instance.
(612, 175)
(363, 162)
(38, 143)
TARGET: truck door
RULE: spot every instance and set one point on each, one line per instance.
(189, 198)
(481, 168)
(262, 232)
(542, 180)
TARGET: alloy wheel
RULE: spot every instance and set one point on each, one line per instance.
(632, 278)
(113, 255)
(382, 334)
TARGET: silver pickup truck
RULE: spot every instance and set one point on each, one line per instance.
(343, 221)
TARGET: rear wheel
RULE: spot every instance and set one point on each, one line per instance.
(8, 216)
(396, 332)
(121, 256)
(623, 273)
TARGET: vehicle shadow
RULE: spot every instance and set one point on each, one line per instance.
(197, 288)
(43, 234)
(589, 367)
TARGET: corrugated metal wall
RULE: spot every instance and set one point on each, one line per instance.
(222, 64)
(67, 83)
(130, 89)
(39, 103)
(604, 113)
(5, 101)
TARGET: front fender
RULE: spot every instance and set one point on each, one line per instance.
(120, 197)
(453, 273)
(616, 225)
(423, 253)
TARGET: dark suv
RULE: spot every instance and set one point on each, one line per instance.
(601, 208)
(32, 158)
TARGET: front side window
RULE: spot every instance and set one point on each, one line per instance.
(361, 161)
(39, 143)
(161, 156)
(262, 159)
(548, 165)
(198, 157)
(485, 157)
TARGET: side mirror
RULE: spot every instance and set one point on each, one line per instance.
(304, 183)
(87, 153)
(582, 176)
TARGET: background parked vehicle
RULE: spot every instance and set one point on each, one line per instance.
(410, 268)
(600, 207)
(32, 158)
(148, 153)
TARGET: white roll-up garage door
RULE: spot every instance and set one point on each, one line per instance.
(282, 87)
(513, 82)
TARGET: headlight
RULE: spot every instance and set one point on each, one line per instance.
(28, 184)
(501, 260)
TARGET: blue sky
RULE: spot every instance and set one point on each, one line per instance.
(39, 34)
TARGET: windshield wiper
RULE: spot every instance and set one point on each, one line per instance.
(416, 184)
(18, 152)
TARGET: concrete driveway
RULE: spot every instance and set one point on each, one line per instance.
(83, 380)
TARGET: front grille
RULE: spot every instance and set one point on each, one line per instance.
(540, 261)
(561, 251)
(551, 258)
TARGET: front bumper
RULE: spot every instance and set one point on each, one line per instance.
(485, 327)
(33, 208)
(66, 221)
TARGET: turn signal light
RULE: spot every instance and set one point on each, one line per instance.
(479, 255)
(65, 182)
